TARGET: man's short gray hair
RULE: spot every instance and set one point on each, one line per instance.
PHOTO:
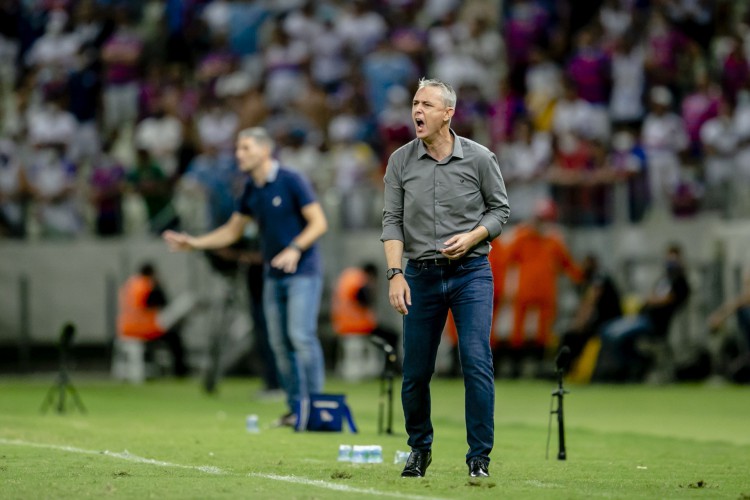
(259, 135)
(449, 95)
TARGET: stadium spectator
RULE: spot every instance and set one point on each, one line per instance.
(50, 125)
(526, 159)
(589, 69)
(55, 51)
(544, 87)
(161, 135)
(615, 18)
(284, 59)
(148, 180)
(306, 158)
(121, 57)
(385, 67)
(361, 27)
(628, 80)
(12, 191)
(503, 112)
(52, 185)
(217, 126)
(107, 185)
(355, 168)
(720, 143)
(665, 45)
(329, 63)
(626, 162)
(664, 138)
(84, 90)
(394, 121)
(697, 107)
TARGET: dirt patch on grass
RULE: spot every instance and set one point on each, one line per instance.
(340, 474)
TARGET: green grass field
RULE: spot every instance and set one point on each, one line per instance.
(167, 439)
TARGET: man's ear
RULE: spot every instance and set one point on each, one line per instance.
(449, 112)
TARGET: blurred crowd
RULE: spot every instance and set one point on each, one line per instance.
(110, 110)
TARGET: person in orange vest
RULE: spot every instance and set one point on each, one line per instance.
(141, 298)
(541, 255)
(498, 258)
(353, 318)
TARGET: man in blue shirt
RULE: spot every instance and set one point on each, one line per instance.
(290, 221)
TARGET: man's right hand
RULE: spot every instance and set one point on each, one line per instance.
(177, 241)
(399, 294)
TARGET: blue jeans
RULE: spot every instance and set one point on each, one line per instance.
(291, 304)
(466, 289)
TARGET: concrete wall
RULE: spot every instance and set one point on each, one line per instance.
(76, 281)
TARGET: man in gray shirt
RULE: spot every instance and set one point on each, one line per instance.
(445, 200)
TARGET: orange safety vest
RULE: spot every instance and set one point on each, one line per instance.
(349, 317)
(135, 319)
(540, 257)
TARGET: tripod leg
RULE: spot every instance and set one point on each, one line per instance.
(49, 399)
(61, 396)
(76, 398)
(561, 455)
(381, 403)
(213, 370)
(389, 430)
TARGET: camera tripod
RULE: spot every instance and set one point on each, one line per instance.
(385, 400)
(63, 385)
(561, 363)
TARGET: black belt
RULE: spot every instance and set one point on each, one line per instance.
(440, 262)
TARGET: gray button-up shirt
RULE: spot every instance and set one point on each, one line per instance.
(427, 202)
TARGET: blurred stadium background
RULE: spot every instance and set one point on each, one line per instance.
(118, 120)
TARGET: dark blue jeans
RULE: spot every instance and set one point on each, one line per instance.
(466, 289)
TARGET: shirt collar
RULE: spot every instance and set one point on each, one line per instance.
(458, 150)
(273, 172)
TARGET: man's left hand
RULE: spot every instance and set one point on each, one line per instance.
(287, 260)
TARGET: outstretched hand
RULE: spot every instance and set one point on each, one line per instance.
(177, 241)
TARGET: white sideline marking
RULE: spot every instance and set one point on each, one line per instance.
(337, 486)
(209, 469)
(125, 455)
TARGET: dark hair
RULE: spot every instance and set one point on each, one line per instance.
(147, 269)
(674, 248)
(370, 268)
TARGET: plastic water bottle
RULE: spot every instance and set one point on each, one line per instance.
(359, 454)
(374, 454)
(345, 453)
(251, 424)
(401, 457)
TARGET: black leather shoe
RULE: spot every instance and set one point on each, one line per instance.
(417, 464)
(478, 467)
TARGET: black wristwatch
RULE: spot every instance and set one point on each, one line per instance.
(390, 273)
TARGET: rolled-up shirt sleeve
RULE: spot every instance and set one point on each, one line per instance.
(495, 196)
(393, 208)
